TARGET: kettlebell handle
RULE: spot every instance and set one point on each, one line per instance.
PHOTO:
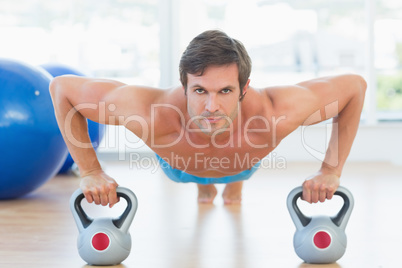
(340, 219)
(126, 217)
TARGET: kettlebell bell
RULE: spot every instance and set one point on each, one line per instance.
(104, 241)
(320, 239)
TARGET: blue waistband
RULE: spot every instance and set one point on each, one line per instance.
(181, 176)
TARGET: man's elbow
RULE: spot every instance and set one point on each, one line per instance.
(358, 86)
(58, 89)
(56, 85)
(361, 84)
(53, 86)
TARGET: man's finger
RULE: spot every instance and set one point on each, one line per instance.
(104, 198)
(306, 195)
(113, 199)
(88, 197)
(314, 196)
(323, 195)
(96, 198)
(330, 194)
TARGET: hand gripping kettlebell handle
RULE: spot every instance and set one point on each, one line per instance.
(123, 222)
(340, 219)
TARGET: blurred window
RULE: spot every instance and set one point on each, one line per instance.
(103, 38)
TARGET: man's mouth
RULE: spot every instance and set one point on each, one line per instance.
(213, 119)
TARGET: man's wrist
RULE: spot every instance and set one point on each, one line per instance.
(328, 169)
(89, 172)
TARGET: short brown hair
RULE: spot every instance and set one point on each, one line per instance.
(214, 47)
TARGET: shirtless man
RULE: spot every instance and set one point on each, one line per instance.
(215, 128)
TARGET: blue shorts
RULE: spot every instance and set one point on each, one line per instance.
(181, 176)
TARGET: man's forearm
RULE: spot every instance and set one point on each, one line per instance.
(74, 128)
(83, 153)
(344, 129)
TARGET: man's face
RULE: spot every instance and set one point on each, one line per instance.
(213, 98)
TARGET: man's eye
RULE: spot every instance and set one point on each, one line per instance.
(226, 90)
(199, 90)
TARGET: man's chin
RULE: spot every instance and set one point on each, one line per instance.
(214, 131)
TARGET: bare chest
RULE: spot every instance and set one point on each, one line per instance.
(214, 159)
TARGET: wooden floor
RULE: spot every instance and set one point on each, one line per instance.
(171, 230)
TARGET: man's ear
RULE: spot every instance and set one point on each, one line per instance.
(246, 86)
(245, 89)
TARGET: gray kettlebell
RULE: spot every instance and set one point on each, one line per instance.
(320, 239)
(104, 241)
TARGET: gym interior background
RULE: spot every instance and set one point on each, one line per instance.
(141, 41)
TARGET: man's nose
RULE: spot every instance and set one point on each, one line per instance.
(212, 104)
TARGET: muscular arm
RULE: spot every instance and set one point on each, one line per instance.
(66, 92)
(345, 108)
(104, 101)
(340, 98)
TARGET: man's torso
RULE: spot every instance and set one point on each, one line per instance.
(259, 129)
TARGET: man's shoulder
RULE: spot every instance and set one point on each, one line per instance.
(150, 98)
(287, 105)
(289, 97)
(168, 111)
(283, 91)
(173, 99)
(277, 99)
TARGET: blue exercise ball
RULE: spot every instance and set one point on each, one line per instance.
(32, 147)
(96, 131)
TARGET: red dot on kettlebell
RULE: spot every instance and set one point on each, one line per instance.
(322, 240)
(100, 241)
